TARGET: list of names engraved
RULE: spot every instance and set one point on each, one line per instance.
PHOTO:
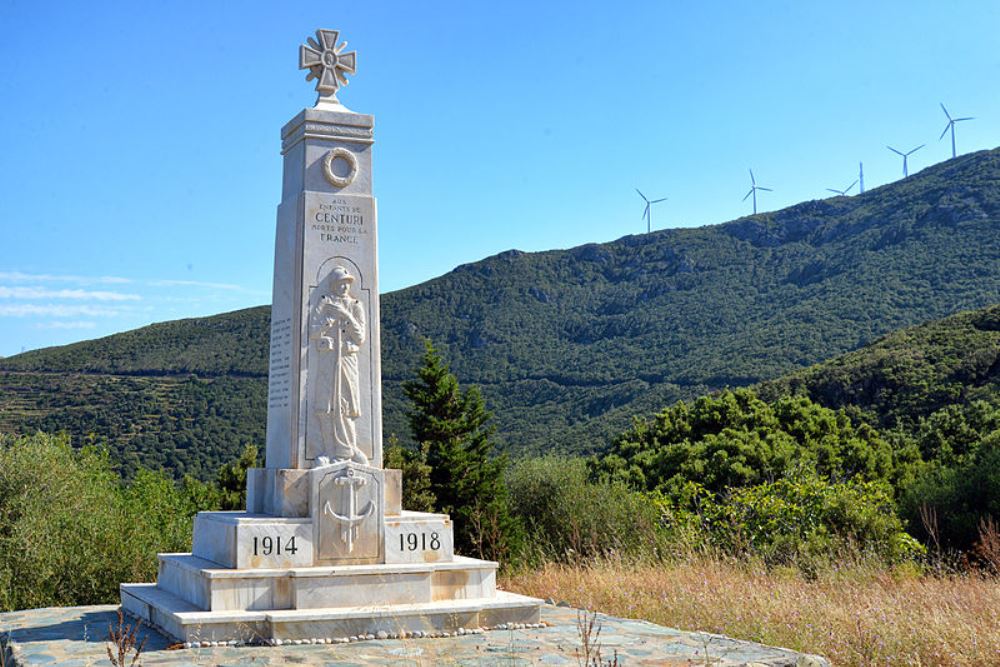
(279, 384)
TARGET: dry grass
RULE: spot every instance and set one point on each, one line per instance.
(856, 616)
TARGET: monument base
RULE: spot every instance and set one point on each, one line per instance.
(343, 561)
(254, 578)
(195, 602)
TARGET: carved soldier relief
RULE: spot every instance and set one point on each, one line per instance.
(337, 332)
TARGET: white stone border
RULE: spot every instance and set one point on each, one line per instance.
(348, 157)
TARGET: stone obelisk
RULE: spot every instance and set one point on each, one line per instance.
(324, 391)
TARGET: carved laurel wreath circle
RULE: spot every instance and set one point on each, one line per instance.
(348, 157)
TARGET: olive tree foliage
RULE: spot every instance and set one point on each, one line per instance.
(71, 530)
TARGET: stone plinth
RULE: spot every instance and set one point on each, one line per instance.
(260, 577)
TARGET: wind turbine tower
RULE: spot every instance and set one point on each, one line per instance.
(861, 176)
(646, 212)
(753, 191)
(951, 126)
(906, 155)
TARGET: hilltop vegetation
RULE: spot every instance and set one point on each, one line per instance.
(909, 374)
(567, 345)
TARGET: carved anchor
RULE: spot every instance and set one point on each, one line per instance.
(349, 524)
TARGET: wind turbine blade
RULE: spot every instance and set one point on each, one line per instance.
(894, 150)
(966, 118)
(657, 201)
(945, 130)
(763, 188)
(945, 110)
(747, 194)
(850, 186)
(752, 178)
(837, 191)
(916, 149)
(641, 195)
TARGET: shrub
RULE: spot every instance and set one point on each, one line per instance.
(809, 522)
(71, 532)
(734, 439)
(959, 497)
(569, 517)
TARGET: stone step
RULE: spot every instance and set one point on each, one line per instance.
(208, 587)
(183, 622)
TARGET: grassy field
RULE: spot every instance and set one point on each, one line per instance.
(856, 616)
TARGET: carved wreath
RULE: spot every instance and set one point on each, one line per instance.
(348, 157)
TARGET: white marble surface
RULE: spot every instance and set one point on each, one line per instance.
(179, 620)
(206, 586)
(279, 492)
(362, 590)
(416, 537)
(341, 492)
(321, 226)
(253, 541)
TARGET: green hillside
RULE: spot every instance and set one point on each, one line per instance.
(567, 345)
(909, 374)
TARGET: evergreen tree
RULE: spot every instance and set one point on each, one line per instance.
(453, 428)
(232, 479)
(417, 495)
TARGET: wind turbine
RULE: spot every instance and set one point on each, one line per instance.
(753, 191)
(844, 192)
(951, 126)
(906, 155)
(861, 176)
(646, 213)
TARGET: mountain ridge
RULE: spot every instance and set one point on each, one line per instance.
(569, 344)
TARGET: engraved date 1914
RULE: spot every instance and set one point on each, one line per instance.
(274, 546)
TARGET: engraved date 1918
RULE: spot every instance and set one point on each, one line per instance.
(422, 541)
(274, 546)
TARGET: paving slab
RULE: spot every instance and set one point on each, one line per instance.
(76, 637)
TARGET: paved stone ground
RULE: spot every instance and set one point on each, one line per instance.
(75, 637)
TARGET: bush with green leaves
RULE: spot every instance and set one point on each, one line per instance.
(734, 439)
(809, 521)
(569, 517)
(71, 531)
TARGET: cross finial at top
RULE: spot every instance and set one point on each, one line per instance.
(327, 63)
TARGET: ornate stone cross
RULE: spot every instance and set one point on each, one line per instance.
(327, 63)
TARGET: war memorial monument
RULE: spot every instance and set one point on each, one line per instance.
(324, 551)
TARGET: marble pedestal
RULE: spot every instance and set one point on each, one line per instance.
(325, 553)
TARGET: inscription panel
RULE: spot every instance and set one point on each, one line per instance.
(279, 374)
(424, 541)
(274, 545)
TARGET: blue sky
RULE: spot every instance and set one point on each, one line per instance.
(140, 168)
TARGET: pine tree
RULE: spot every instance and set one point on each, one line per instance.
(417, 496)
(453, 428)
(232, 479)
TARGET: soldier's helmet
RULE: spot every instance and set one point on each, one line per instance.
(340, 275)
